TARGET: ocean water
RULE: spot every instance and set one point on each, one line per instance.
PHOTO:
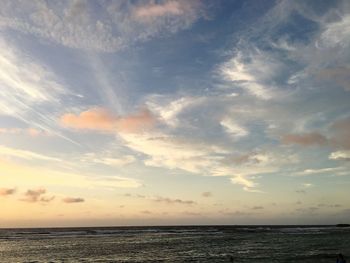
(176, 244)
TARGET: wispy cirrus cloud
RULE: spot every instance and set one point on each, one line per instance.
(252, 71)
(25, 82)
(29, 175)
(24, 154)
(340, 170)
(109, 160)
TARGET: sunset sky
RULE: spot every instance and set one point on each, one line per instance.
(174, 112)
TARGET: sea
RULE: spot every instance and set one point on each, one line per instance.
(314, 244)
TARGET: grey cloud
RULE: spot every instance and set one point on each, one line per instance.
(329, 205)
(73, 200)
(311, 209)
(306, 139)
(207, 194)
(160, 199)
(36, 195)
(7, 191)
(191, 213)
(173, 201)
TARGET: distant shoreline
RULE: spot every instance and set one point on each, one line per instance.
(177, 226)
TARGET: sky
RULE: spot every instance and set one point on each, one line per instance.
(174, 112)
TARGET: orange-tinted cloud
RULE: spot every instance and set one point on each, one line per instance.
(168, 8)
(7, 191)
(341, 133)
(73, 200)
(339, 75)
(306, 139)
(100, 119)
(339, 136)
(29, 131)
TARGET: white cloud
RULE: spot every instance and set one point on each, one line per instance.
(234, 129)
(168, 110)
(329, 170)
(110, 161)
(336, 34)
(203, 158)
(171, 152)
(340, 155)
(253, 71)
(307, 185)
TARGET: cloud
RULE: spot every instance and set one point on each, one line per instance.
(338, 138)
(340, 155)
(25, 82)
(202, 157)
(100, 119)
(311, 210)
(336, 34)
(234, 129)
(160, 199)
(207, 194)
(56, 176)
(70, 200)
(168, 8)
(147, 212)
(251, 70)
(36, 195)
(168, 110)
(329, 205)
(338, 75)
(306, 139)
(307, 185)
(118, 24)
(341, 133)
(29, 131)
(257, 207)
(173, 201)
(172, 152)
(7, 191)
(329, 170)
(108, 160)
(27, 155)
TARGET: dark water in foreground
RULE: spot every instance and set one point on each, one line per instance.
(175, 244)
